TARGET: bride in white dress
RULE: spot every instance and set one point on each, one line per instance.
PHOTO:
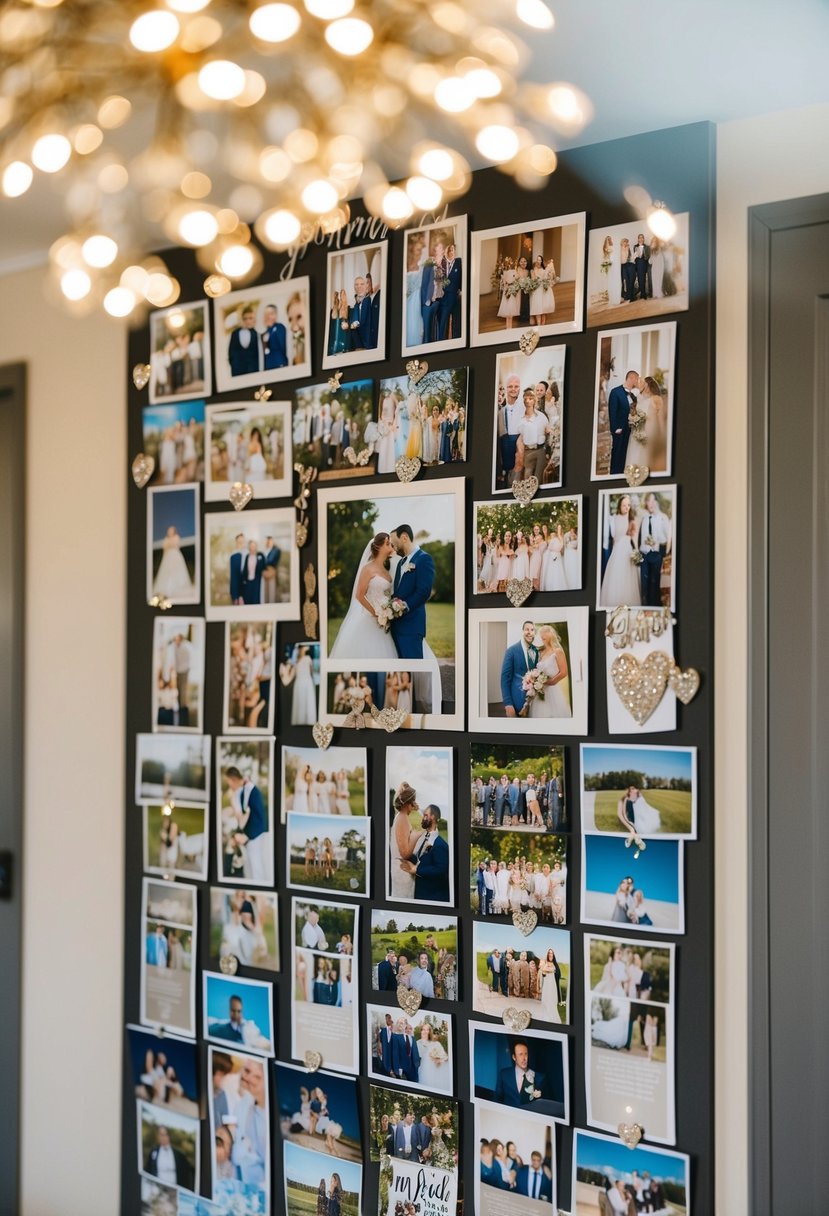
(403, 840)
(549, 990)
(255, 467)
(646, 818)
(614, 976)
(612, 1032)
(361, 635)
(621, 583)
(304, 703)
(433, 1072)
(173, 578)
(552, 702)
(303, 779)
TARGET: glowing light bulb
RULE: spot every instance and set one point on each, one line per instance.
(437, 163)
(319, 196)
(396, 204)
(661, 223)
(497, 143)
(198, 227)
(88, 138)
(51, 152)
(154, 31)
(120, 301)
(454, 94)
(99, 251)
(535, 14)
(187, 6)
(75, 284)
(281, 227)
(424, 193)
(17, 177)
(274, 22)
(329, 10)
(349, 35)
(222, 80)
(161, 290)
(235, 261)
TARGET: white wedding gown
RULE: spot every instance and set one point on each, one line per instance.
(621, 583)
(613, 1033)
(434, 1074)
(646, 818)
(549, 998)
(304, 705)
(361, 636)
(173, 578)
(401, 883)
(637, 452)
(551, 703)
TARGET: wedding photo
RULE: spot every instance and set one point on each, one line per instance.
(311, 1184)
(539, 541)
(158, 1199)
(420, 825)
(249, 704)
(414, 1051)
(516, 1174)
(197, 1205)
(327, 423)
(238, 1011)
(511, 873)
(319, 1111)
(325, 982)
(609, 1178)
(333, 782)
(527, 973)
(639, 791)
(641, 889)
(630, 1051)
(176, 840)
(350, 698)
(639, 632)
(632, 274)
(528, 418)
(427, 421)
(165, 1070)
(416, 950)
(528, 670)
(173, 544)
(180, 352)
(171, 768)
(245, 925)
(434, 287)
(249, 442)
(636, 556)
(529, 1071)
(637, 970)
(244, 811)
(168, 978)
(414, 1127)
(300, 671)
(263, 334)
(178, 674)
(527, 276)
(323, 854)
(252, 562)
(507, 781)
(356, 292)
(174, 439)
(240, 1130)
(634, 404)
(168, 1145)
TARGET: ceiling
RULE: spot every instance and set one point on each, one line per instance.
(645, 64)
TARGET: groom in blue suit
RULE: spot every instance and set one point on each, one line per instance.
(619, 404)
(430, 861)
(518, 660)
(413, 579)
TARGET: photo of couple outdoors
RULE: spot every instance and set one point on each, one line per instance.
(433, 287)
(319, 1112)
(638, 791)
(635, 559)
(609, 1179)
(419, 824)
(634, 400)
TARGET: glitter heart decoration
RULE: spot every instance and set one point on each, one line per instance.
(357, 458)
(516, 1019)
(240, 494)
(525, 490)
(310, 618)
(685, 684)
(519, 590)
(301, 534)
(409, 999)
(641, 686)
(263, 394)
(143, 468)
(635, 474)
(160, 602)
(528, 342)
(228, 964)
(407, 468)
(323, 733)
(390, 719)
(416, 369)
(141, 375)
(313, 1061)
(525, 921)
(630, 1134)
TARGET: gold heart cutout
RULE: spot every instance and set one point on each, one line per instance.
(641, 686)
(524, 490)
(407, 468)
(228, 964)
(301, 534)
(310, 617)
(519, 590)
(141, 375)
(361, 458)
(528, 342)
(635, 474)
(416, 369)
(525, 921)
(389, 719)
(409, 999)
(516, 1019)
(630, 1134)
(240, 494)
(313, 1061)
(323, 733)
(685, 684)
(143, 468)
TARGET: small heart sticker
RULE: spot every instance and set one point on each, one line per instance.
(409, 999)
(143, 468)
(323, 733)
(519, 590)
(141, 375)
(524, 490)
(240, 494)
(635, 474)
(416, 369)
(407, 468)
(525, 921)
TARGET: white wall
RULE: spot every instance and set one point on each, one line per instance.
(77, 471)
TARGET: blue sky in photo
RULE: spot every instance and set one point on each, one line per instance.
(598, 1153)
(304, 827)
(255, 1001)
(177, 508)
(160, 417)
(655, 761)
(341, 1093)
(656, 872)
(306, 1166)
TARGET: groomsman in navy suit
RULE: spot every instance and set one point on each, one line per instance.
(413, 580)
(243, 348)
(449, 308)
(512, 1088)
(387, 973)
(619, 404)
(406, 1059)
(359, 316)
(374, 297)
(274, 340)
(236, 560)
(532, 1181)
(518, 660)
(431, 293)
(252, 568)
(387, 1048)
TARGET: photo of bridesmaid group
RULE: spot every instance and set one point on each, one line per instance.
(539, 541)
(634, 404)
(427, 420)
(434, 287)
(632, 274)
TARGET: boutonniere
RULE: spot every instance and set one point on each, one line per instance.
(407, 567)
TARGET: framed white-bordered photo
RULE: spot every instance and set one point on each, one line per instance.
(176, 839)
(602, 1164)
(355, 305)
(169, 920)
(420, 825)
(636, 548)
(433, 306)
(251, 567)
(263, 334)
(178, 674)
(632, 274)
(244, 811)
(633, 405)
(250, 442)
(180, 353)
(636, 789)
(249, 698)
(539, 540)
(529, 1070)
(528, 418)
(174, 544)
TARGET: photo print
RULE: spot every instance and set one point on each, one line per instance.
(420, 825)
(171, 768)
(517, 788)
(176, 839)
(300, 671)
(249, 442)
(168, 979)
(173, 544)
(427, 421)
(632, 274)
(263, 334)
(238, 1012)
(174, 438)
(252, 563)
(639, 791)
(165, 1070)
(324, 853)
(158, 1199)
(528, 1071)
(319, 1112)
(197, 1205)
(178, 674)
(528, 670)
(516, 1172)
(416, 1138)
(636, 557)
(512, 872)
(416, 949)
(333, 782)
(245, 925)
(641, 1179)
(639, 632)
(350, 697)
(528, 418)
(634, 403)
(249, 705)
(540, 542)
(244, 811)
(168, 1146)
(180, 353)
(644, 893)
(327, 421)
(325, 957)
(313, 1184)
(355, 326)
(434, 287)
(531, 973)
(240, 1130)
(411, 1050)
(527, 277)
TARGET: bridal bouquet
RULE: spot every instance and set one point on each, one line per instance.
(390, 609)
(532, 685)
(527, 284)
(637, 557)
(637, 420)
(529, 1085)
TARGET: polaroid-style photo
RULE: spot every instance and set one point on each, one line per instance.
(356, 293)
(511, 871)
(528, 418)
(411, 1050)
(527, 277)
(644, 893)
(427, 421)
(178, 674)
(418, 950)
(263, 334)
(320, 1111)
(245, 924)
(249, 442)
(324, 853)
(640, 633)
(165, 1070)
(636, 559)
(173, 544)
(632, 274)
(168, 978)
(300, 669)
(168, 1146)
(634, 404)
(244, 811)
(325, 958)
(528, 1071)
(643, 1176)
(633, 791)
(171, 768)
(180, 353)
(174, 439)
(539, 541)
(420, 825)
(312, 1184)
(635, 970)
(329, 422)
(333, 782)
(240, 1131)
(415, 1137)
(176, 839)
(252, 562)
(248, 705)
(531, 973)
(517, 788)
(434, 287)
(516, 1174)
(238, 1012)
(528, 670)
(351, 698)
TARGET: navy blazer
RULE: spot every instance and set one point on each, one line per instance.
(386, 977)
(492, 1175)
(387, 1050)
(374, 330)
(523, 1180)
(275, 346)
(236, 575)
(258, 818)
(507, 1091)
(513, 669)
(243, 362)
(432, 874)
(402, 1061)
(415, 587)
(618, 408)
(360, 314)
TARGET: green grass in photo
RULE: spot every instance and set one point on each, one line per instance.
(340, 880)
(440, 630)
(674, 808)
